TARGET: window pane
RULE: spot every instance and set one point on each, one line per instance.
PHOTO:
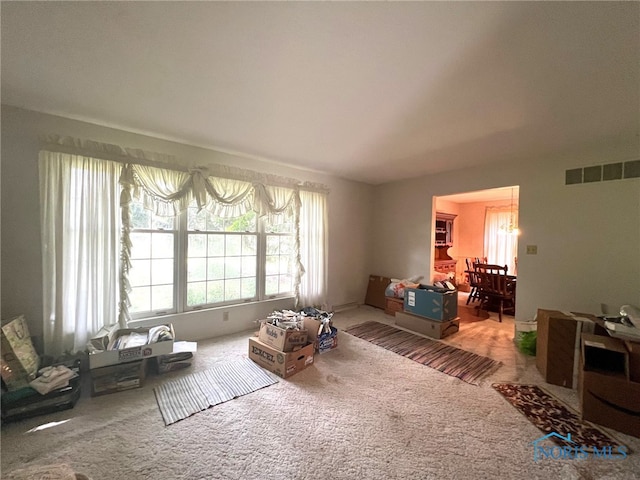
(196, 293)
(249, 243)
(215, 291)
(273, 244)
(232, 289)
(162, 297)
(197, 245)
(195, 220)
(140, 216)
(162, 223)
(215, 224)
(246, 223)
(286, 245)
(162, 245)
(196, 269)
(140, 273)
(233, 245)
(271, 285)
(285, 264)
(232, 267)
(141, 245)
(248, 287)
(249, 266)
(162, 271)
(216, 245)
(140, 298)
(286, 283)
(272, 265)
(215, 269)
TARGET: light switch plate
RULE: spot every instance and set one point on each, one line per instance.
(532, 249)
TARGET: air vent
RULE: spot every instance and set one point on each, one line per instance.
(599, 173)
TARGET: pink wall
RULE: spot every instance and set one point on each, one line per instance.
(468, 229)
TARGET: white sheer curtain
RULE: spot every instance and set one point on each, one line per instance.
(85, 221)
(500, 245)
(313, 249)
(80, 222)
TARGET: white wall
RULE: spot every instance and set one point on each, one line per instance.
(588, 235)
(350, 218)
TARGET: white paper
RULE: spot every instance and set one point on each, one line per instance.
(179, 347)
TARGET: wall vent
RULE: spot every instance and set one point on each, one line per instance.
(603, 173)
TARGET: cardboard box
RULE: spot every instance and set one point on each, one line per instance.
(393, 305)
(634, 360)
(431, 302)
(558, 345)
(607, 396)
(606, 355)
(322, 342)
(283, 364)
(102, 358)
(117, 378)
(610, 401)
(281, 338)
(431, 328)
(327, 341)
(375, 291)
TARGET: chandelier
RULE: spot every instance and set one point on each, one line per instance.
(512, 227)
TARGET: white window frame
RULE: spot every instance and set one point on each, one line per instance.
(181, 267)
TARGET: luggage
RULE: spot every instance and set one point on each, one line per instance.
(27, 402)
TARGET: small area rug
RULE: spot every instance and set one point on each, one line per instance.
(181, 398)
(550, 415)
(467, 366)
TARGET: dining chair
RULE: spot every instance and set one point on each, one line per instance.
(473, 280)
(495, 285)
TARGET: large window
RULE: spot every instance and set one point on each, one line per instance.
(133, 240)
(197, 260)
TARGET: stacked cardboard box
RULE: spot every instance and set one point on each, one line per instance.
(558, 344)
(282, 350)
(609, 383)
(431, 302)
(118, 357)
(429, 310)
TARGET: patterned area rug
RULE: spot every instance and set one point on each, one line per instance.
(181, 398)
(549, 415)
(466, 366)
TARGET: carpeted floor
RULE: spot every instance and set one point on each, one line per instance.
(359, 412)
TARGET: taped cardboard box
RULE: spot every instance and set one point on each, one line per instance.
(431, 328)
(285, 340)
(431, 302)
(607, 395)
(558, 344)
(19, 362)
(283, 364)
(102, 352)
(117, 378)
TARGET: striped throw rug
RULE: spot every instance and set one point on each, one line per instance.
(467, 366)
(181, 398)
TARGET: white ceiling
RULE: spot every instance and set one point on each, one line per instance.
(370, 91)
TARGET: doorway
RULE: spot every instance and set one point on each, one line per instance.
(484, 225)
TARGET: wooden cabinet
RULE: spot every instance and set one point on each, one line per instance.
(444, 229)
(442, 262)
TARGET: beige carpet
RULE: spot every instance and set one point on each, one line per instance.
(360, 412)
